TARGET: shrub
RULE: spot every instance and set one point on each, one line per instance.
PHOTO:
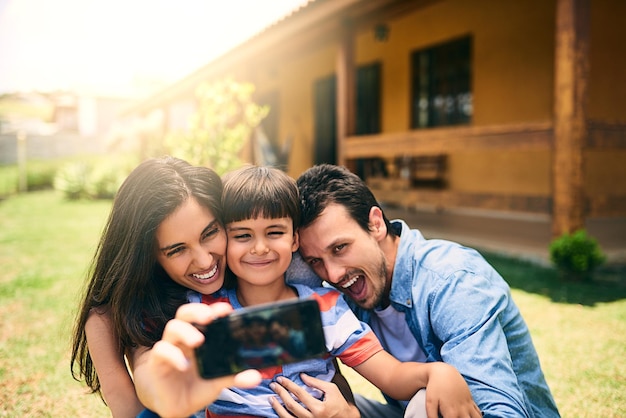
(71, 180)
(8, 180)
(40, 176)
(104, 179)
(576, 255)
(96, 179)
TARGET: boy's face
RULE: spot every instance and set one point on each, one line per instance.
(346, 256)
(260, 250)
(191, 248)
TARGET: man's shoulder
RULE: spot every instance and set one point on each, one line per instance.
(436, 256)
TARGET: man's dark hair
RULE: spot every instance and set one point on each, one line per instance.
(326, 184)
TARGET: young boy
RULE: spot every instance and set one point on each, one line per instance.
(261, 208)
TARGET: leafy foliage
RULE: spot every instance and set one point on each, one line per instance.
(71, 180)
(104, 180)
(40, 176)
(576, 255)
(224, 120)
(78, 180)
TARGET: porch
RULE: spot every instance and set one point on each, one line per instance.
(409, 168)
(524, 237)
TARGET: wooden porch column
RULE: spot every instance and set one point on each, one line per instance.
(570, 115)
(345, 91)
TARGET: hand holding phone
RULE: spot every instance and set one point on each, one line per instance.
(261, 336)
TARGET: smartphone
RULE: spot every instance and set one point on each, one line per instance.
(261, 336)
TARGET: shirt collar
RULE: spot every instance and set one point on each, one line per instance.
(403, 270)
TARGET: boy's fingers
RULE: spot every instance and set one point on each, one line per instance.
(296, 390)
(316, 383)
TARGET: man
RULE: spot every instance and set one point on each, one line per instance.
(426, 300)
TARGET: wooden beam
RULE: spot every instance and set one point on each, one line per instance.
(345, 90)
(570, 114)
(435, 141)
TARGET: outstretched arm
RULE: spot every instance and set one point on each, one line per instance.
(447, 392)
(166, 376)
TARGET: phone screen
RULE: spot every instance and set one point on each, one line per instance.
(261, 336)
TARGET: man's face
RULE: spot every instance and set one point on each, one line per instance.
(346, 256)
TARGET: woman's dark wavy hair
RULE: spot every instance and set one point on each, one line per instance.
(325, 184)
(125, 280)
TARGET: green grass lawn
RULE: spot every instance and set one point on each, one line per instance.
(46, 243)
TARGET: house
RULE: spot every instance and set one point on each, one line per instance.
(69, 124)
(508, 106)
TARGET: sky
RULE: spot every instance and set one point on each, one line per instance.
(101, 45)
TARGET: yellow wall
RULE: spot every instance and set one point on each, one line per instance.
(607, 68)
(513, 71)
(605, 172)
(513, 44)
(501, 172)
(294, 80)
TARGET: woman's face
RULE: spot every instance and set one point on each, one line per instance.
(191, 247)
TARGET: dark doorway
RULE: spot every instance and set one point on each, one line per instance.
(325, 141)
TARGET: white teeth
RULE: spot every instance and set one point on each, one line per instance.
(207, 275)
(349, 283)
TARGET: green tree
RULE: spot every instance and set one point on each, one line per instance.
(224, 120)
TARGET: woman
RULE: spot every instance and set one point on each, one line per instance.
(135, 285)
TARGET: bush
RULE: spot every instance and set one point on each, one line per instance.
(40, 175)
(104, 179)
(576, 255)
(8, 180)
(97, 180)
(71, 180)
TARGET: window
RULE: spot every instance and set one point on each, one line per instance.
(368, 99)
(442, 91)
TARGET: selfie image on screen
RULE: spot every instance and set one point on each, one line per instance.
(261, 337)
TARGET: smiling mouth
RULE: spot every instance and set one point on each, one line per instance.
(259, 263)
(207, 275)
(350, 282)
(354, 286)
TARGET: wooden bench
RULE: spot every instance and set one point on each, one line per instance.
(423, 170)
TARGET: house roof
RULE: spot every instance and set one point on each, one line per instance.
(314, 22)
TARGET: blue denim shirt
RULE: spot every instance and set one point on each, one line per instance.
(461, 312)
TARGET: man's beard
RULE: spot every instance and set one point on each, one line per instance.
(379, 294)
